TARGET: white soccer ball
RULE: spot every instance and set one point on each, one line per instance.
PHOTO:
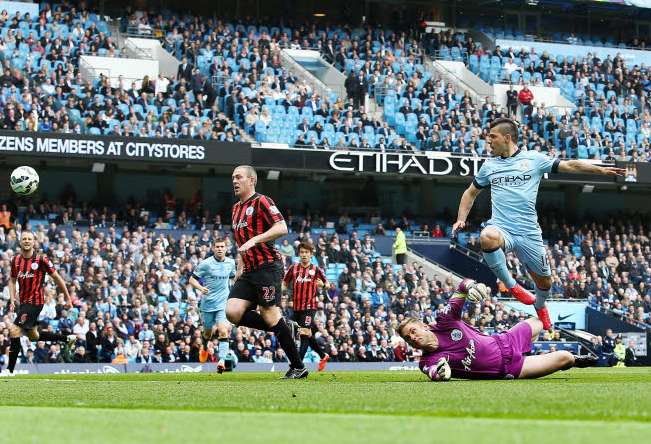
(24, 180)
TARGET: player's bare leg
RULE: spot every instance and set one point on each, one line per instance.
(238, 312)
(543, 287)
(223, 332)
(492, 244)
(543, 365)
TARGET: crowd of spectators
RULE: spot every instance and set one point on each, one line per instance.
(231, 83)
(132, 301)
(43, 88)
(612, 118)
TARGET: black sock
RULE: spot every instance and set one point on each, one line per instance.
(281, 330)
(253, 319)
(303, 347)
(52, 337)
(316, 347)
(14, 349)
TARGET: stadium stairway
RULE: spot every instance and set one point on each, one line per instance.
(433, 269)
(461, 78)
(452, 257)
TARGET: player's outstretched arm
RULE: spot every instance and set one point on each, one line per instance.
(580, 166)
(467, 201)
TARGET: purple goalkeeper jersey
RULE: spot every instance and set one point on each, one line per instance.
(471, 355)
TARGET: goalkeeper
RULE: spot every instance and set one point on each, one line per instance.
(452, 348)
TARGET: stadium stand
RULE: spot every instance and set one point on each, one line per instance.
(233, 84)
(612, 115)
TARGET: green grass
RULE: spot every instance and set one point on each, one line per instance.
(591, 406)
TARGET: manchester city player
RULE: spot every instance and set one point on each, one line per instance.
(513, 176)
(212, 278)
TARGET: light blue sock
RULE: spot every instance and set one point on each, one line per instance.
(223, 349)
(541, 297)
(496, 261)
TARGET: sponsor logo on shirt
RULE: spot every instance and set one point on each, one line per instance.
(301, 280)
(515, 180)
(456, 335)
(241, 224)
(470, 355)
(25, 275)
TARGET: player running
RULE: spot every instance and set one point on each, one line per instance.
(256, 223)
(452, 348)
(304, 279)
(514, 176)
(212, 278)
(28, 269)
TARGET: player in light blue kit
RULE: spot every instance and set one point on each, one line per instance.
(514, 176)
(212, 278)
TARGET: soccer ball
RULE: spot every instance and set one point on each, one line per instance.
(24, 180)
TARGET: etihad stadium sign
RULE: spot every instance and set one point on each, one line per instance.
(429, 164)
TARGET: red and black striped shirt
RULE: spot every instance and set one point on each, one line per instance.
(303, 280)
(30, 275)
(252, 218)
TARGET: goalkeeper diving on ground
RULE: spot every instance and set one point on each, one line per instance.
(452, 348)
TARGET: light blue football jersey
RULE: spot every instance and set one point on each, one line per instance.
(514, 185)
(215, 275)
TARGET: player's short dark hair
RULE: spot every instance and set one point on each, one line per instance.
(506, 126)
(306, 246)
(219, 240)
(250, 171)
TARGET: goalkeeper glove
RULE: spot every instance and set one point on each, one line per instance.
(441, 371)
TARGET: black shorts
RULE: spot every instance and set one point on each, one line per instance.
(261, 287)
(304, 318)
(27, 316)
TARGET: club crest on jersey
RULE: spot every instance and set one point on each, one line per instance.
(249, 211)
(311, 272)
(456, 335)
(34, 266)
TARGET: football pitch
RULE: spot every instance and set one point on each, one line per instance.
(578, 406)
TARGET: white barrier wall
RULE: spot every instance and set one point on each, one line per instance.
(21, 7)
(130, 69)
(459, 70)
(630, 56)
(167, 63)
(550, 96)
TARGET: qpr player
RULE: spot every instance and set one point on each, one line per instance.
(256, 224)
